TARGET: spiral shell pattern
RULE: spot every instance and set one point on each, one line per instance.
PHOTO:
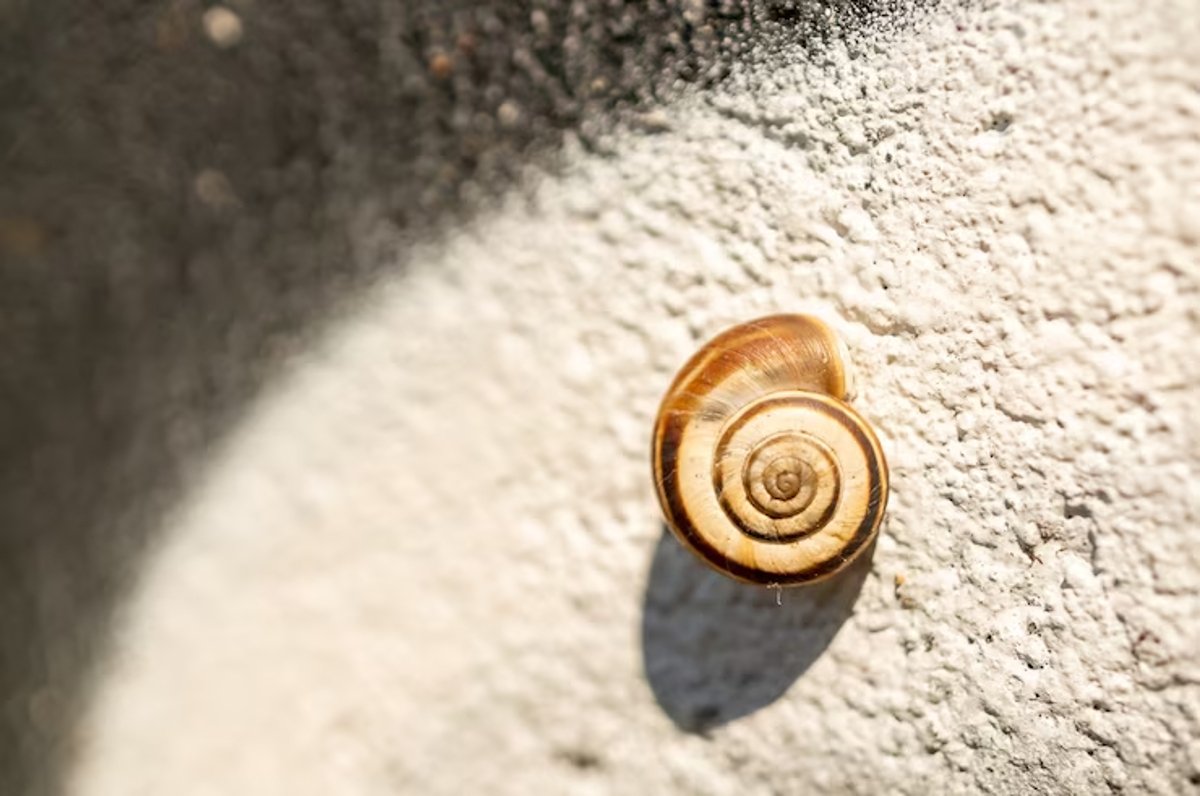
(762, 469)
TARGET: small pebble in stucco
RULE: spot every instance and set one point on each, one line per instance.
(441, 66)
(214, 190)
(223, 27)
(21, 236)
(508, 114)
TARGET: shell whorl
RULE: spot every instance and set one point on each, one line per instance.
(762, 469)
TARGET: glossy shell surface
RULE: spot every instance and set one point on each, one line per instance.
(762, 469)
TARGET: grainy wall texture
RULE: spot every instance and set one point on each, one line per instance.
(325, 459)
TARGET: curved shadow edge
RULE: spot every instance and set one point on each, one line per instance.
(715, 650)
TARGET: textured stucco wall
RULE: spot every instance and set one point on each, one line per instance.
(428, 558)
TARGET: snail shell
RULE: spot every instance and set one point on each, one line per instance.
(762, 469)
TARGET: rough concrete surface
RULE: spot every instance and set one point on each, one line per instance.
(413, 547)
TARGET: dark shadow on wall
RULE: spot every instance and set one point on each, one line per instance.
(716, 649)
(181, 212)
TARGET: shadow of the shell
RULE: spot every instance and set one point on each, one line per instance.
(715, 649)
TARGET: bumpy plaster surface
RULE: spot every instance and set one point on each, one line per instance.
(430, 559)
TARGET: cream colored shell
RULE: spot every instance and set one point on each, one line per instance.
(762, 469)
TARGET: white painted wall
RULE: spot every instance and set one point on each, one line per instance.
(430, 560)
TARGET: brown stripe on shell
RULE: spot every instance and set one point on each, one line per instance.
(801, 352)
